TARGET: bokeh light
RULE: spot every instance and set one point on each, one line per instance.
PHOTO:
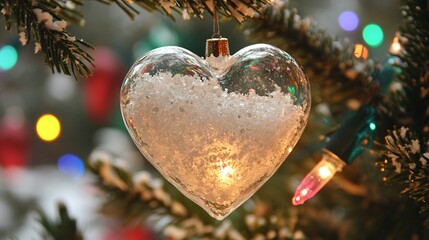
(395, 47)
(373, 35)
(60, 87)
(48, 127)
(360, 51)
(71, 165)
(8, 57)
(372, 126)
(348, 20)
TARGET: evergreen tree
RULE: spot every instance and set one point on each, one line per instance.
(383, 194)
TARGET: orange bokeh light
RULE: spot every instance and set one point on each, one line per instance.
(360, 51)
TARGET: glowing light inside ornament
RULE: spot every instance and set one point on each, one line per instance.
(226, 175)
(226, 171)
(348, 21)
(48, 127)
(71, 165)
(219, 128)
(373, 35)
(8, 57)
(211, 141)
(318, 177)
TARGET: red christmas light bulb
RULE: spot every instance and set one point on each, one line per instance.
(318, 177)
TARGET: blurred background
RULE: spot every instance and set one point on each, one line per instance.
(50, 123)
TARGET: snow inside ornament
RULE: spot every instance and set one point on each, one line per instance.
(219, 128)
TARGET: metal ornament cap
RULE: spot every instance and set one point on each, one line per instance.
(218, 47)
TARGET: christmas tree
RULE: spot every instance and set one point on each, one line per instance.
(369, 115)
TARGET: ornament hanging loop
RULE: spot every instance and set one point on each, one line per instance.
(216, 28)
(217, 46)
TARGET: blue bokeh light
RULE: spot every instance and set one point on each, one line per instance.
(348, 21)
(71, 165)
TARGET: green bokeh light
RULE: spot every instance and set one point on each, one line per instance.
(8, 57)
(373, 35)
(372, 126)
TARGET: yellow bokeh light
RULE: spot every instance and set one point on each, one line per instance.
(48, 127)
(395, 47)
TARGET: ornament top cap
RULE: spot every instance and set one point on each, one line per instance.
(218, 47)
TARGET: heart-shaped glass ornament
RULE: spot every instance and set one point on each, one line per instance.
(219, 128)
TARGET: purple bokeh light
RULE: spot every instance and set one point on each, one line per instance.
(348, 21)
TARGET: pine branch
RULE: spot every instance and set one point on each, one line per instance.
(139, 198)
(63, 229)
(237, 9)
(328, 61)
(342, 77)
(45, 21)
(408, 102)
(404, 162)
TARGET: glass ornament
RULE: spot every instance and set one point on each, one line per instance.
(217, 129)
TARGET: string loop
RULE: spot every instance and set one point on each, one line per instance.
(216, 28)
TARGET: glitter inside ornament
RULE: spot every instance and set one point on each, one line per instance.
(216, 129)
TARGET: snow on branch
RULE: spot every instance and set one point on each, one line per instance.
(237, 9)
(45, 22)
